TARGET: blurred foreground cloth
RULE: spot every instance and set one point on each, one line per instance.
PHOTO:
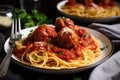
(110, 69)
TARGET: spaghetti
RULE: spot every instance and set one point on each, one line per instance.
(64, 47)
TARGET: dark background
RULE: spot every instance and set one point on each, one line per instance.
(45, 6)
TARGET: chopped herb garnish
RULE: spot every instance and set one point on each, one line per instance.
(31, 30)
(20, 36)
(13, 45)
(103, 47)
(85, 35)
(60, 53)
(35, 57)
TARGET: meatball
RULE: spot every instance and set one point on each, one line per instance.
(69, 23)
(63, 22)
(67, 38)
(42, 33)
(59, 24)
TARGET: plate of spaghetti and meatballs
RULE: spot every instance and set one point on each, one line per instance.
(62, 47)
(90, 10)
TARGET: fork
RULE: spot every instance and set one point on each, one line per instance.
(15, 35)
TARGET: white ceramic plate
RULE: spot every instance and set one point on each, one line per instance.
(84, 19)
(106, 53)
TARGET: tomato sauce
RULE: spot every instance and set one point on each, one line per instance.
(46, 38)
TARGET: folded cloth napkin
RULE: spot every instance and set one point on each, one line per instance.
(109, 70)
(112, 31)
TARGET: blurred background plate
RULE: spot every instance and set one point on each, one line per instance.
(86, 19)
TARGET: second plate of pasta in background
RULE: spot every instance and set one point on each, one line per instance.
(80, 13)
(106, 53)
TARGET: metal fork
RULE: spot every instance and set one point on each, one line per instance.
(15, 35)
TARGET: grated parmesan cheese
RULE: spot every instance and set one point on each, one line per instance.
(5, 21)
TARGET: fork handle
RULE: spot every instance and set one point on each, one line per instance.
(5, 64)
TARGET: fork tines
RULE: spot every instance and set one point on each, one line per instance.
(16, 27)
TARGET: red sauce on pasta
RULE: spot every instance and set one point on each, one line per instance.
(66, 40)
